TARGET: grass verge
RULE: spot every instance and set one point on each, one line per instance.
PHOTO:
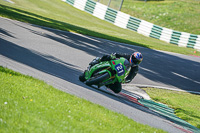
(30, 105)
(186, 105)
(180, 15)
(59, 15)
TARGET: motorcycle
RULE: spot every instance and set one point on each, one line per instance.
(106, 73)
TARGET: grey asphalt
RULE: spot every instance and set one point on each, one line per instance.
(59, 57)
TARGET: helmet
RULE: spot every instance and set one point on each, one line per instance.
(136, 58)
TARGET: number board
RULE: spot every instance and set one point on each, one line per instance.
(120, 69)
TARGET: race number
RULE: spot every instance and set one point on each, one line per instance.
(120, 69)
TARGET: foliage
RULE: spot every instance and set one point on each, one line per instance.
(180, 15)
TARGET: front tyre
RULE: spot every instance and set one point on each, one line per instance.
(97, 79)
(82, 77)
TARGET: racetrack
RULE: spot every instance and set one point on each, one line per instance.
(59, 57)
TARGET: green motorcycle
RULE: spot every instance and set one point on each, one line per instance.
(106, 73)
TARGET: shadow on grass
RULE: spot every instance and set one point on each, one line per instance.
(32, 18)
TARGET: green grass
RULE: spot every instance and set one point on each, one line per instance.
(59, 15)
(186, 105)
(114, 4)
(30, 105)
(180, 15)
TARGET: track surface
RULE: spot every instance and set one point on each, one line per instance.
(59, 57)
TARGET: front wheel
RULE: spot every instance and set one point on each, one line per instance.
(82, 77)
(97, 79)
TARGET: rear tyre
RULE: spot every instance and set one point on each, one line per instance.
(96, 80)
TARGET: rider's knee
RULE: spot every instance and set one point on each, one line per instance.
(116, 87)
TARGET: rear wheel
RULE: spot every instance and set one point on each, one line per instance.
(97, 79)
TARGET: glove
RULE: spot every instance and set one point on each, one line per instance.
(95, 61)
(127, 81)
(113, 56)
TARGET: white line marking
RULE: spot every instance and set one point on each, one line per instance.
(186, 77)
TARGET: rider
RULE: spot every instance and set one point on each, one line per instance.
(135, 59)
